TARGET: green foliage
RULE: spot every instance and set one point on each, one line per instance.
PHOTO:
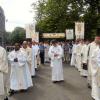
(57, 15)
(18, 35)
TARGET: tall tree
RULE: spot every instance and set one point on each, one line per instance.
(92, 17)
(57, 15)
(18, 35)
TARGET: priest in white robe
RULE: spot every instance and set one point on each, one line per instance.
(28, 51)
(84, 52)
(98, 73)
(92, 47)
(73, 58)
(78, 55)
(20, 78)
(56, 54)
(3, 72)
(35, 51)
(38, 55)
(95, 71)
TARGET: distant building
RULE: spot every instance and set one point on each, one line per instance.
(2, 26)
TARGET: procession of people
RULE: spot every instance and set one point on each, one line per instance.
(26, 58)
(86, 59)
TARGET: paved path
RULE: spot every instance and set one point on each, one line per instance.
(74, 87)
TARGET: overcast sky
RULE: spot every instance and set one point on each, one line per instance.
(17, 12)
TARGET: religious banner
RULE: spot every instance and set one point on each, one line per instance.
(69, 34)
(79, 30)
(30, 30)
(53, 35)
(35, 37)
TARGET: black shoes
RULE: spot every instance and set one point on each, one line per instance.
(11, 92)
(6, 98)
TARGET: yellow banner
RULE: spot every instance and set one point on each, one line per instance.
(53, 35)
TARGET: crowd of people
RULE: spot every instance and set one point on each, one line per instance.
(86, 59)
(26, 58)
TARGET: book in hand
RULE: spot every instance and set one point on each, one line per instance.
(85, 66)
(16, 60)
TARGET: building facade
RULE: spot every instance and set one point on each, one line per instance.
(2, 26)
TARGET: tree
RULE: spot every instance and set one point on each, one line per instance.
(57, 15)
(18, 35)
(54, 16)
(92, 18)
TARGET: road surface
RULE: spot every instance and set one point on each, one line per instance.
(74, 87)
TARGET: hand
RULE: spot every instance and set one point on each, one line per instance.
(16, 60)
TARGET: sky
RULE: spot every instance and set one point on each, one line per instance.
(18, 13)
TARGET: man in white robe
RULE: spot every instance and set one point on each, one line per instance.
(84, 52)
(35, 50)
(56, 54)
(28, 51)
(95, 71)
(3, 72)
(98, 73)
(20, 78)
(92, 47)
(78, 55)
(38, 55)
(73, 58)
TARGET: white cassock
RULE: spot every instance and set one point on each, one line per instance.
(3, 69)
(20, 77)
(94, 71)
(92, 48)
(35, 51)
(28, 51)
(34, 62)
(78, 57)
(56, 63)
(73, 58)
(84, 52)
